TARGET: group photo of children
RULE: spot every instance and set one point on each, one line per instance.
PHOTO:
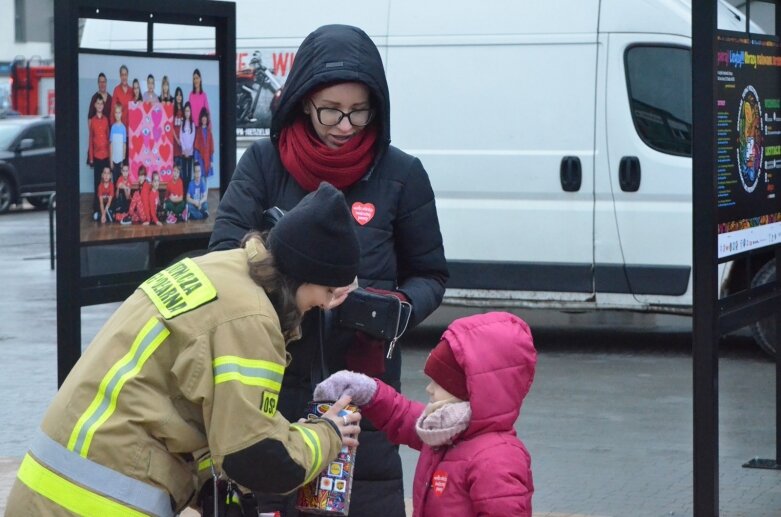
(151, 155)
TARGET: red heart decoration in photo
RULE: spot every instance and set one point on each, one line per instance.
(134, 119)
(363, 212)
(165, 151)
(136, 143)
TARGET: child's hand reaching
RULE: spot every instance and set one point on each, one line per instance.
(359, 386)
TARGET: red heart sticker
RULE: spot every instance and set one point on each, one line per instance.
(438, 482)
(134, 119)
(136, 143)
(165, 151)
(363, 212)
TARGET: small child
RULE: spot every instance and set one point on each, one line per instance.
(187, 140)
(153, 201)
(150, 96)
(118, 139)
(197, 205)
(139, 204)
(471, 461)
(174, 201)
(204, 143)
(105, 195)
(122, 205)
(98, 148)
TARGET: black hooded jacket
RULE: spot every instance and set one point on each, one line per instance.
(401, 245)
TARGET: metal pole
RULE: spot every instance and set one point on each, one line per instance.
(52, 199)
(704, 184)
(66, 45)
(777, 339)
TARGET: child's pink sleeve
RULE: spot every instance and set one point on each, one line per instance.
(395, 415)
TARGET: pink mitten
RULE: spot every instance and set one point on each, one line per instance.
(359, 386)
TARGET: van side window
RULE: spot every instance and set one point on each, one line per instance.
(660, 94)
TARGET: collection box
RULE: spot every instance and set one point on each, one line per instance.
(329, 492)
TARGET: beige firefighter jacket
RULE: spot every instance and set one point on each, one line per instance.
(191, 362)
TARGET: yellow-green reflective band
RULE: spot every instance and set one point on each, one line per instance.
(252, 372)
(179, 288)
(105, 402)
(204, 464)
(313, 442)
(70, 496)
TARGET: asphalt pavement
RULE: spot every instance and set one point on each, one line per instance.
(608, 422)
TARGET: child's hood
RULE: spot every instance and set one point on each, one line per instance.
(496, 351)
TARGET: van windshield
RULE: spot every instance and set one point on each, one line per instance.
(660, 92)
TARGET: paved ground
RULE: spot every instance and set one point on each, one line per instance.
(608, 421)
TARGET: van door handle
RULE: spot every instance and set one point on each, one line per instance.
(629, 174)
(570, 173)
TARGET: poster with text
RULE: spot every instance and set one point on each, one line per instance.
(260, 75)
(748, 144)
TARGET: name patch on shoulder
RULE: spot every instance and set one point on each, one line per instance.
(179, 288)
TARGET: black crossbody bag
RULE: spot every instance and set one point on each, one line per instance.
(378, 315)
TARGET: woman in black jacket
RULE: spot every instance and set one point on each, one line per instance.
(332, 123)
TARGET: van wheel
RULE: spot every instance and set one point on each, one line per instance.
(6, 193)
(764, 331)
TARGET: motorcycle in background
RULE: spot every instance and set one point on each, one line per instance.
(256, 89)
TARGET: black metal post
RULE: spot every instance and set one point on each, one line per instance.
(66, 45)
(52, 198)
(705, 350)
(778, 346)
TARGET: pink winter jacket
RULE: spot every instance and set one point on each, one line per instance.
(487, 470)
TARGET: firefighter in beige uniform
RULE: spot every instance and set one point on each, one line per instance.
(191, 362)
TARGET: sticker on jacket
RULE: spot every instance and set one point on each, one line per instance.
(363, 212)
(269, 404)
(179, 288)
(438, 482)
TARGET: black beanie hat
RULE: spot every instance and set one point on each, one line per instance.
(315, 242)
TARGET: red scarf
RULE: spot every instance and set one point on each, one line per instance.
(311, 162)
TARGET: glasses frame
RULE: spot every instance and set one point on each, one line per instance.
(342, 114)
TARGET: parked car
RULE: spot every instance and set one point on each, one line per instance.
(27, 163)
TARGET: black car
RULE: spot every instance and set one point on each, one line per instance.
(27, 163)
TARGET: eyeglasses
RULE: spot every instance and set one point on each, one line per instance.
(332, 116)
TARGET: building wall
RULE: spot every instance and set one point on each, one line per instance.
(38, 22)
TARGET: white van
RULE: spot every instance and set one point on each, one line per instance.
(557, 136)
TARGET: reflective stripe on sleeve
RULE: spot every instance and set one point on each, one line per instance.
(90, 488)
(105, 402)
(252, 372)
(312, 441)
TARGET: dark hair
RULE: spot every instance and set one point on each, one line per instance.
(279, 287)
(101, 75)
(142, 170)
(123, 67)
(204, 113)
(178, 105)
(192, 126)
(150, 76)
(198, 73)
(138, 97)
